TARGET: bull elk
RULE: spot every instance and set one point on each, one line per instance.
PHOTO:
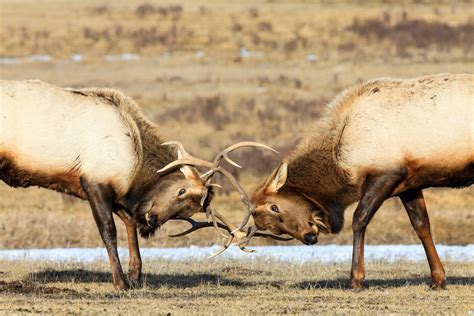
(97, 145)
(380, 139)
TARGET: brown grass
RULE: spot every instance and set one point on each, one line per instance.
(230, 287)
(35, 218)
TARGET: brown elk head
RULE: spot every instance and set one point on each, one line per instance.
(284, 210)
(237, 233)
(178, 194)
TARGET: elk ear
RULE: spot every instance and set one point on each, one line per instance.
(278, 179)
(188, 171)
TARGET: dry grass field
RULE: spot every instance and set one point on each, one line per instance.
(212, 73)
(227, 287)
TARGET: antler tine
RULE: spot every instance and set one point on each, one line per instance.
(195, 225)
(205, 194)
(227, 245)
(253, 232)
(224, 154)
(184, 158)
(216, 225)
(236, 233)
(179, 145)
(192, 161)
(243, 196)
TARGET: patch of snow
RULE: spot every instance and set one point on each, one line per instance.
(312, 57)
(293, 254)
(129, 57)
(40, 58)
(200, 54)
(245, 53)
(9, 61)
(122, 57)
(77, 57)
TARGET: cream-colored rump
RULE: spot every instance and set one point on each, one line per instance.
(48, 129)
(429, 121)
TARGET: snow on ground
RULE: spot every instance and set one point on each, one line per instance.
(295, 254)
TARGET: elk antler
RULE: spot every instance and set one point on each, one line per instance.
(252, 232)
(184, 158)
(224, 154)
(195, 225)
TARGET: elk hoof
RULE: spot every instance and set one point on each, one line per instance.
(135, 280)
(438, 285)
(122, 285)
(357, 285)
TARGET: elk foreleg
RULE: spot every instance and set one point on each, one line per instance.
(376, 190)
(135, 263)
(101, 200)
(415, 206)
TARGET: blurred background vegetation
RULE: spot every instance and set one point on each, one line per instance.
(212, 73)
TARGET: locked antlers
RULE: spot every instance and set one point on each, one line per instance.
(236, 232)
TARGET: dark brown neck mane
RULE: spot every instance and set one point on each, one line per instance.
(313, 170)
(148, 147)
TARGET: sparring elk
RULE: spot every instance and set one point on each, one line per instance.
(377, 140)
(97, 145)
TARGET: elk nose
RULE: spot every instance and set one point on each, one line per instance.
(153, 221)
(310, 239)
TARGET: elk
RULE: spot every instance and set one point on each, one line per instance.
(97, 145)
(379, 139)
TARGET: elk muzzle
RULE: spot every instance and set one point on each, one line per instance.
(152, 220)
(310, 239)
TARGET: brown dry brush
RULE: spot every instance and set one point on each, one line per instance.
(416, 33)
(282, 114)
(146, 9)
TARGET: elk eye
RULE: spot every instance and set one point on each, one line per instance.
(181, 192)
(274, 208)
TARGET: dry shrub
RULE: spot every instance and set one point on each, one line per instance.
(417, 33)
(147, 9)
(100, 10)
(253, 12)
(144, 9)
(258, 162)
(265, 26)
(213, 110)
(141, 37)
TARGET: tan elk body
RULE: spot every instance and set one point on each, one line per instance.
(101, 141)
(383, 138)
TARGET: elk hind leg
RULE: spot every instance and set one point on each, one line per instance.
(415, 206)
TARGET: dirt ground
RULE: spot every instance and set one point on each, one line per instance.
(231, 287)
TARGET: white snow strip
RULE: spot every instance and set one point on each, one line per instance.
(294, 254)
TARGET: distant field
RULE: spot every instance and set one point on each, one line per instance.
(211, 73)
(229, 287)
